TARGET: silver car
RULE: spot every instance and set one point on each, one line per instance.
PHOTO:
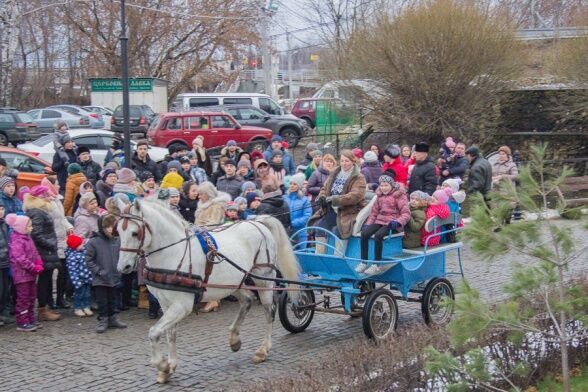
(46, 119)
(96, 120)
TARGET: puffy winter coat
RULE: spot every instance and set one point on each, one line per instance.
(300, 212)
(273, 204)
(44, 236)
(60, 164)
(399, 168)
(62, 226)
(508, 170)
(434, 210)
(102, 259)
(287, 160)
(316, 181)
(423, 177)
(234, 156)
(480, 178)
(188, 208)
(413, 229)
(103, 191)
(393, 206)
(212, 212)
(23, 257)
(72, 188)
(149, 165)
(3, 245)
(230, 185)
(79, 273)
(371, 171)
(91, 170)
(457, 167)
(11, 204)
(85, 223)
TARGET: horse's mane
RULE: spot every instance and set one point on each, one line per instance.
(162, 208)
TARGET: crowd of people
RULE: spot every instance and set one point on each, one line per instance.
(63, 223)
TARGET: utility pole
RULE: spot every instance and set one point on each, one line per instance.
(125, 83)
(266, 9)
(290, 95)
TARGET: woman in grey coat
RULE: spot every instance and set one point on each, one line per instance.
(504, 168)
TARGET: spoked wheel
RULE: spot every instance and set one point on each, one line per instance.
(437, 305)
(296, 317)
(380, 314)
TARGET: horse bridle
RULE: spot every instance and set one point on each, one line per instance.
(143, 226)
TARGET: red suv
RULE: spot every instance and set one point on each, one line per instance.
(216, 127)
(305, 108)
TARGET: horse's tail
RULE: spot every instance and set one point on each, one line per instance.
(286, 261)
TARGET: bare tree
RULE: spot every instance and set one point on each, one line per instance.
(10, 15)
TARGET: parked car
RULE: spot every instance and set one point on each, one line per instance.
(193, 101)
(105, 112)
(290, 127)
(140, 117)
(96, 120)
(97, 140)
(16, 127)
(31, 168)
(305, 108)
(217, 127)
(46, 118)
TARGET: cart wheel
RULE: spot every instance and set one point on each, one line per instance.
(380, 314)
(296, 317)
(436, 310)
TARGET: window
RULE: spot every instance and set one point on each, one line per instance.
(196, 122)
(235, 113)
(35, 113)
(221, 122)
(91, 142)
(237, 101)
(250, 114)
(106, 141)
(174, 123)
(6, 118)
(43, 140)
(203, 102)
(269, 106)
(24, 117)
(304, 105)
(50, 114)
(22, 163)
(73, 111)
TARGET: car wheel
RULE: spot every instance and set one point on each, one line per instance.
(176, 145)
(290, 135)
(308, 122)
(3, 139)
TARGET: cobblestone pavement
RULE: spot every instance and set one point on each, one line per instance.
(68, 355)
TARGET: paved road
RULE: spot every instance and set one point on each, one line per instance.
(68, 355)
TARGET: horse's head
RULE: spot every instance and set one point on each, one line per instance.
(135, 235)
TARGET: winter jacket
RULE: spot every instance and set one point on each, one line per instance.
(269, 179)
(508, 170)
(212, 212)
(432, 211)
(91, 170)
(230, 185)
(287, 160)
(3, 245)
(480, 178)
(226, 153)
(149, 165)
(103, 191)
(316, 181)
(216, 175)
(102, 259)
(371, 171)
(11, 204)
(85, 223)
(457, 167)
(203, 160)
(23, 257)
(60, 164)
(198, 175)
(300, 212)
(273, 204)
(62, 226)
(44, 236)
(79, 274)
(188, 208)
(348, 204)
(72, 188)
(399, 169)
(393, 206)
(250, 176)
(413, 229)
(423, 177)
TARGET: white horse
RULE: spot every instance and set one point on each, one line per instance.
(151, 227)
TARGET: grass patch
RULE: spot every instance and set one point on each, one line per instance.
(578, 382)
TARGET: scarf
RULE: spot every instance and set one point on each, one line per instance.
(340, 180)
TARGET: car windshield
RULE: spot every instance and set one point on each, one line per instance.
(43, 140)
(134, 111)
(24, 117)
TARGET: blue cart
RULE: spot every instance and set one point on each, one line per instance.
(415, 275)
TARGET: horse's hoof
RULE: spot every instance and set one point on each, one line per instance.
(172, 367)
(236, 346)
(162, 378)
(259, 357)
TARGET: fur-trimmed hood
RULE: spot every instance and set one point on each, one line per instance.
(221, 198)
(31, 202)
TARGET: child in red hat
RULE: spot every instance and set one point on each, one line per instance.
(80, 275)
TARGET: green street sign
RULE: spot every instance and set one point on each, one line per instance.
(105, 85)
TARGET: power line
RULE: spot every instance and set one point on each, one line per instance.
(195, 16)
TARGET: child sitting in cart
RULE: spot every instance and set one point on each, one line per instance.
(389, 212)
(437, 208)
(419, 201)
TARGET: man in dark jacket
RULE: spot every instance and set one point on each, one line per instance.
(102, 259)
(457, 164)
(141, 162)
(424, 174)
(230, 183)
(90, 168)
(4, 267)
(480, 178)
(273, 204)
(61, 161)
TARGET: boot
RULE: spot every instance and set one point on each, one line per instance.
(211, 306)
(47, 315)
(102, 325)
(114, 323)
(62, 303)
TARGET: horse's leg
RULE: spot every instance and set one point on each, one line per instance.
(245, 300)
(267, 301)
(173, 351)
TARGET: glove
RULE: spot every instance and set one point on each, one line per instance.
(39, 263)
(38, 269)
(321, 202)
(394, 225)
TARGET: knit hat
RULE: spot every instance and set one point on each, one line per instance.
(231, 143)
(81, 150)
(106, 172)
(255, 155)
(184, 159)
(449, 142)
(74, 241)
(248, 185)
(473, 151)
(60, 123)
(243, 163)
(421, 147)
(316, 153)
(17, 222)
(174, 165)
(126, 176)
(172, 149)
(277, 152)
(453, 184)
(311, 147)
(392, 151)
(22, 192)
(146, 175)
(230, 162)
(388, 176)
(276, 138)
(357, 152)
(441, 196)
(298, 179)
(66, 138)
(231, 205)
(251, 198)
(51, 189)
(370, 156)
(172, 180)
(420, 195)
(505, 149)
(73, 168)
(173, 192)
(40, 191)
(86, 199)
(4, 181)
(199, 141)
(240, 200)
